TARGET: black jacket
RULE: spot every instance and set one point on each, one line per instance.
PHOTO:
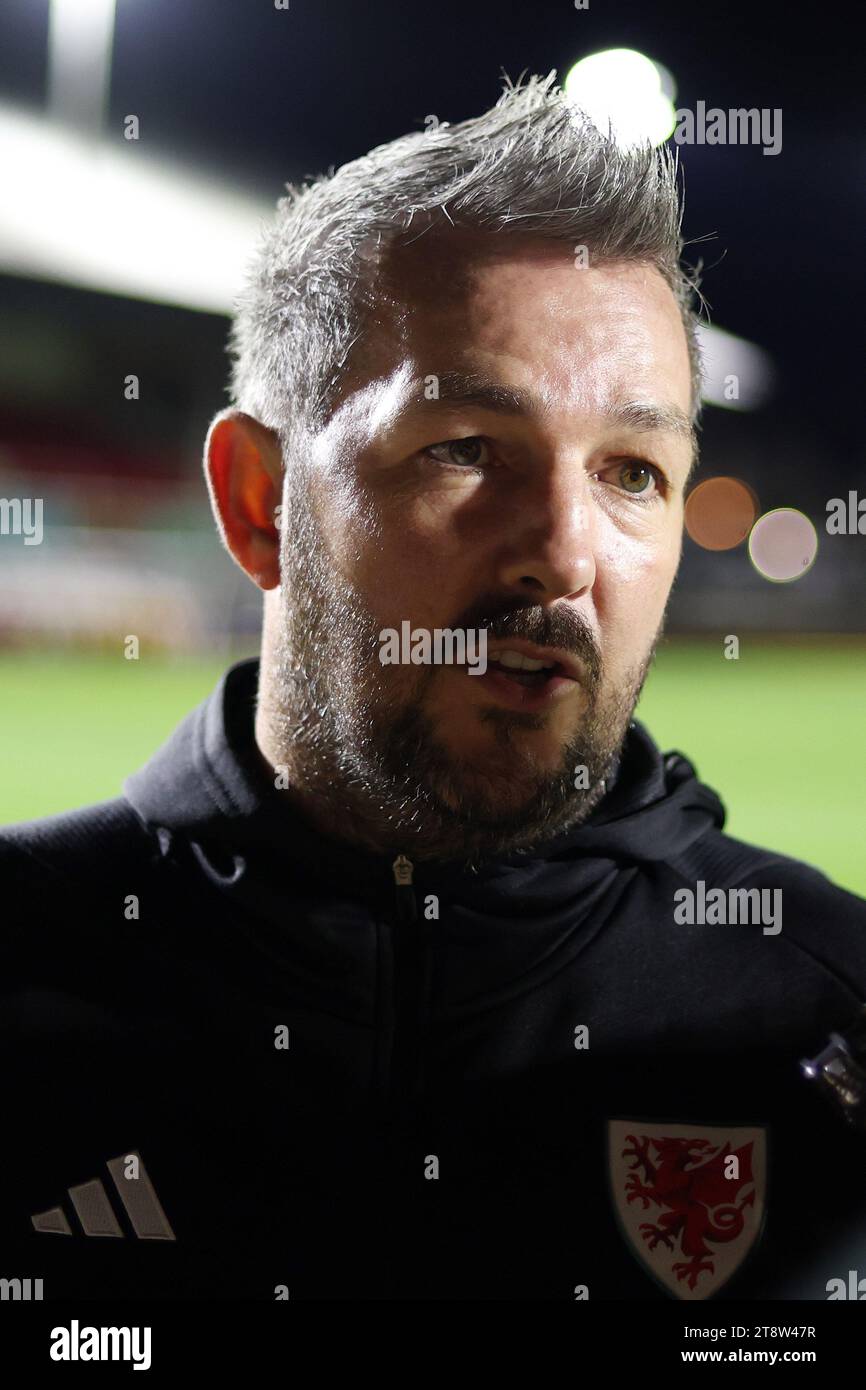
(340, 1087)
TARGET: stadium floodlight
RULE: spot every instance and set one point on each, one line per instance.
(626, 92)
(738, 375)
(109, 217)
(80, 38)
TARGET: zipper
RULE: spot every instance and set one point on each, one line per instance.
(412, 987)
(407, 907)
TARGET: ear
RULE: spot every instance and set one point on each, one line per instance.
(244, 470)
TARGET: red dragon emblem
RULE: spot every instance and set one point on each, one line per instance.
(704, 1189)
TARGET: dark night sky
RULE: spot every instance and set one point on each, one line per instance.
(263, 96)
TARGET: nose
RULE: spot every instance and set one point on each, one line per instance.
(552, 555)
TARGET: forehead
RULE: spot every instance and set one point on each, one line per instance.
(520, 308)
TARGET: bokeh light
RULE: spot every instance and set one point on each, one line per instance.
(720, 513)
(783, 545)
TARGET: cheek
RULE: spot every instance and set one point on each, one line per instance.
(633, 580)
(410, 560)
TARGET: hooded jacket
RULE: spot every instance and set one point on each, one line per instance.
(255, 1062)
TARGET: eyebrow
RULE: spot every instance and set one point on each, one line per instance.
(460, 388)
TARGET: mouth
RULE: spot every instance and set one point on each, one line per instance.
(526, 677)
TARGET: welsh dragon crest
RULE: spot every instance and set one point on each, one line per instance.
(690, 1199)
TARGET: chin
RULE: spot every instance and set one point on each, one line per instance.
(489, 792)
(516, 755)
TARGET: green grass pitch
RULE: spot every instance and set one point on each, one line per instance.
(778, 733)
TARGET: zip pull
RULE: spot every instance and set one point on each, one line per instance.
(407, 908)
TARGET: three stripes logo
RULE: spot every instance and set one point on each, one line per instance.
(97, 1217)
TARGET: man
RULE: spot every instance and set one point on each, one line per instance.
(436, 979)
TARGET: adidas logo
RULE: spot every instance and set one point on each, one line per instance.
(97, 1217)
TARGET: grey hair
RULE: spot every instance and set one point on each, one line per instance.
(533, 164)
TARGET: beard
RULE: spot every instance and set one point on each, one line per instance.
(364, 757)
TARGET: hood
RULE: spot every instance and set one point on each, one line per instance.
(208, 785)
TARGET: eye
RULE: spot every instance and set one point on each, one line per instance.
(472, 452)
(637, 478)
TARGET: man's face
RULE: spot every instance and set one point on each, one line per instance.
(488, 466)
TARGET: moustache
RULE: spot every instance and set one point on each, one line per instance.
(560, 628)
